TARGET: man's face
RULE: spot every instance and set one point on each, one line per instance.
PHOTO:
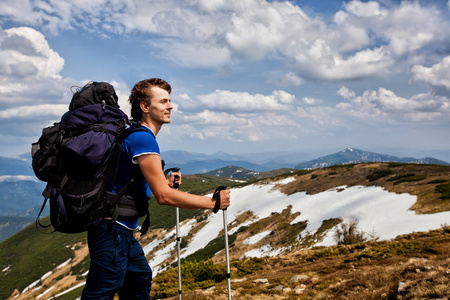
(160, 105)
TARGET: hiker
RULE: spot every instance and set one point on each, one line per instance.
(118, 264)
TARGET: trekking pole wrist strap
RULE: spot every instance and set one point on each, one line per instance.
(216, 197)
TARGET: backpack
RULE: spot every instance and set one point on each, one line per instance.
(79, 157)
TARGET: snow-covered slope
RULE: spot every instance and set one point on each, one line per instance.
(378, 212)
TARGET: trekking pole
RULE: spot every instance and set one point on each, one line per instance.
(176, 185)
(216, 196)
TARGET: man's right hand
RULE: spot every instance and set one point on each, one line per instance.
(225, 199)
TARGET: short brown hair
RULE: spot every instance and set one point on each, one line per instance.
(142, 92)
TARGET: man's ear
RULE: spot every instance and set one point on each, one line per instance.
(144, 106)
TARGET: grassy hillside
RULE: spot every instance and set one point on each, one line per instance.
(27, 255)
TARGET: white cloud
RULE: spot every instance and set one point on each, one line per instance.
(366, 9)
(45, 111)
(207, 35)
(25, 52)
(245, 102)
(346, 93)
(385, 106)
(244, 117)
(310, 101)
(33, 94)
(285, 79)
(30, 84)
(437, 75)
(321, 61)
(188, 54)
(410, 27)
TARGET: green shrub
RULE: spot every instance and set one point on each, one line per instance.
(194, 275)
(302, 172)
(247, 266)
(444, 189)
(242, 229)
(401, 176)
(388, 250)
(442, 180)
(410, 178)
(396, 164)
(379, 174)
(183, 243)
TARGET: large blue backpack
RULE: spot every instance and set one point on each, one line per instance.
(79, 156)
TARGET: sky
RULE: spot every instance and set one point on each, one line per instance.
(248, 76)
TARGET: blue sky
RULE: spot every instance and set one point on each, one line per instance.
(247, 75)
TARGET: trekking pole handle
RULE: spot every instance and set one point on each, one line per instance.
(166, 172)
(216, 197)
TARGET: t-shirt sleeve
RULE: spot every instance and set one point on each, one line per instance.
(141, 143)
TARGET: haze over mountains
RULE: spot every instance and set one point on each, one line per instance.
(194, 163)
(197, 163)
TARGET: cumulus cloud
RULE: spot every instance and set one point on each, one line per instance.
(311, 101)
(25, 51)
(32, 93)
(46, 111)
(202, 34)
(371, 108)
(245, 102)
(410, 27)
(436, 76)
(285, 79)
(253, 117)
(383, 105)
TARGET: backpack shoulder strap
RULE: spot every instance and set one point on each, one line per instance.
(135, 128)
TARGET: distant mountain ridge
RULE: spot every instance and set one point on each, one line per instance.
(234, 172)
(199, 163)
(352, 155)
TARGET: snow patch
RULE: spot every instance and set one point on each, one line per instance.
(264, 251)
(46, 275)
(64, 263)
(256, 238)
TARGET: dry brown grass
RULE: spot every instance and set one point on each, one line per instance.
(334, 273)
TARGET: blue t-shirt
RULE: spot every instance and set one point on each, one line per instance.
(136, 144)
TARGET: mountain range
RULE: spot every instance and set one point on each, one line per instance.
(198, 163)
(17, 179)
(194, 163)
(352, 155)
